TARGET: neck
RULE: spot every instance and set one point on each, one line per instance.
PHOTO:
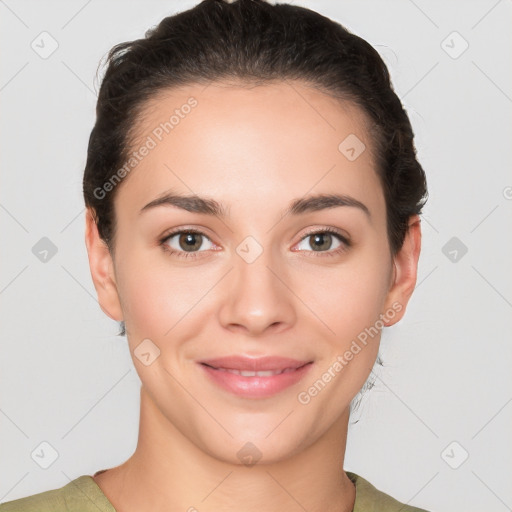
(169, 472)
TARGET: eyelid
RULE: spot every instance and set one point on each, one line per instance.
(345, 238)
(163, 241)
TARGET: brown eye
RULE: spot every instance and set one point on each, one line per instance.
(187, 242)
(320, 241)
(325, 240)
(190, 241)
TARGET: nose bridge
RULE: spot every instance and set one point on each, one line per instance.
(257, 297)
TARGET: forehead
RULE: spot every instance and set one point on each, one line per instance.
(264, 141)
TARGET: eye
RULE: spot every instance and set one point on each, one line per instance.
(186, 243)
(326, 240)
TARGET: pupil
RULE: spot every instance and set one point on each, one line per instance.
(324, 240)
(188, 242)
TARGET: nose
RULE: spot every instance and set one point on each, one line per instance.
(258, 297)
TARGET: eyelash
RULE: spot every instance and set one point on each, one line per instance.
(184, 254)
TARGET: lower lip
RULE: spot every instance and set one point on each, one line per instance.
(256, 387)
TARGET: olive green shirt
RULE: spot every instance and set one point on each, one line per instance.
(84, 495)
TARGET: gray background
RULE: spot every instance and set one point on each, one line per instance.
(445, 391)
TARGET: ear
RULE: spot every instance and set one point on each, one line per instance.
(405, 267)
(102, 269)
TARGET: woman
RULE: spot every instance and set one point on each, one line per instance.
(253, 201)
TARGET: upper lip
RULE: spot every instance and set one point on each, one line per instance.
(244, 363)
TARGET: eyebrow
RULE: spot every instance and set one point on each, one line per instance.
(314, 203)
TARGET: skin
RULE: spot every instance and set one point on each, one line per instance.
(254, 149)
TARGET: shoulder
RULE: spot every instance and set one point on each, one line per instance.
(370, 499)
(79, 495)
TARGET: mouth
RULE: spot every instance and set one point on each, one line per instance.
(249, 373)
(255, 378)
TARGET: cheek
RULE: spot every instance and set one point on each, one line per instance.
(348, 302)
(348, 298)
(157, 295)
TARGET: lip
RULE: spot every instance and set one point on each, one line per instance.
(220, 371)
(235, 362)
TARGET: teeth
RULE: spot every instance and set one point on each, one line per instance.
(248, 373)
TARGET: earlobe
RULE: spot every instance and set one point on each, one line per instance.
(102, 269)
(405, 269)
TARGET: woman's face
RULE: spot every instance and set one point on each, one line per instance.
(256, 281)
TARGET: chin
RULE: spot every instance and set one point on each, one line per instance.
(248, 449)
